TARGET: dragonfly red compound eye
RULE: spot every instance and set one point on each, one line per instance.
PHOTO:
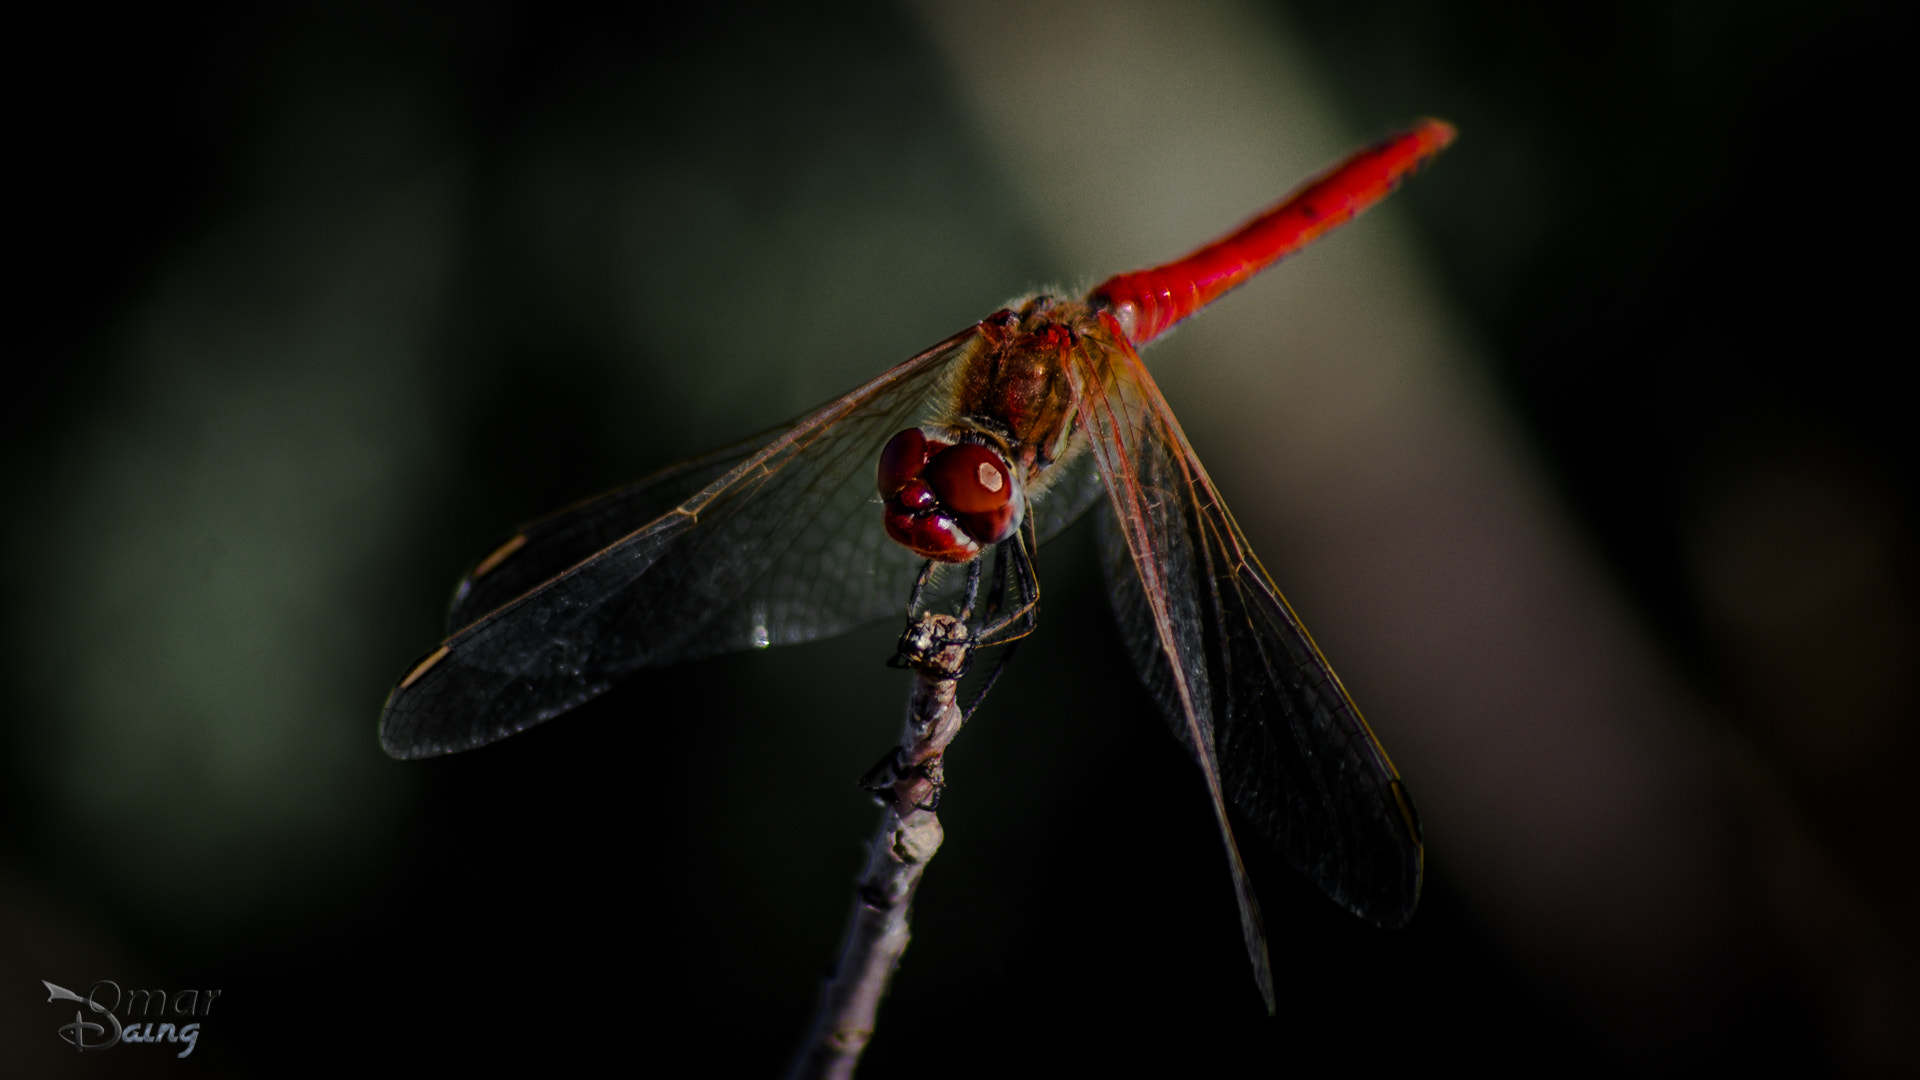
(975, 484)
(944, 501)
(916, 515)
(902, 459)
(916, 496)
(930, 535)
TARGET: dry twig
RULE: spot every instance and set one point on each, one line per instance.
(908, 782)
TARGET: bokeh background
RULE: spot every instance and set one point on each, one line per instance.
(1582, 458)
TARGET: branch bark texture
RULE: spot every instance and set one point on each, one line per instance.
(908, 783)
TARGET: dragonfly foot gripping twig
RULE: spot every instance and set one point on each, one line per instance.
(908, 783)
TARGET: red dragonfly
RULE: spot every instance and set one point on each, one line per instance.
(996, 438)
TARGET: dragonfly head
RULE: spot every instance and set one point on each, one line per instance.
(947, 500)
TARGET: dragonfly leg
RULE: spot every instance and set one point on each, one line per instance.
(894, 774)
(993, 676)
(971, 595)
(1021, 621)
(997, 587)
(932, 802)
(928, 637)
(919, 586)
(939, 649)
(880, 779)
(895, 768)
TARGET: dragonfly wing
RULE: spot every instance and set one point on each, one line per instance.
(781, 544)
(556, 543)
(1073, 486)
(1242, 684)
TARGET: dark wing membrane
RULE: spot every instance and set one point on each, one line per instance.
(782, 544)
(1242, 684)
(557, 542)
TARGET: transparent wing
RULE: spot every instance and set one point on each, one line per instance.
(1073, 488)
(557, 542)
(772, 541)
(1242, 684)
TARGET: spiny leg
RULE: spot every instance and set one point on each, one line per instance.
(1026, 617)
(1017, 553)
(971, 594)
(997, 586)
(919, 586)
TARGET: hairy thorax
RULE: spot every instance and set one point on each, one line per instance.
(1016, 388)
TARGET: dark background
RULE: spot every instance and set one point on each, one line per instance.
(312, 303)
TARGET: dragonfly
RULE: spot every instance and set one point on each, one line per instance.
(995, 439)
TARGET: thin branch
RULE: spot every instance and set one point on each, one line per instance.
(908, 782)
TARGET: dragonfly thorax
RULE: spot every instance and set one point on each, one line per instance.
(1016, 381)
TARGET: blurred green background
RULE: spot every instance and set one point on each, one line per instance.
(313, 303)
